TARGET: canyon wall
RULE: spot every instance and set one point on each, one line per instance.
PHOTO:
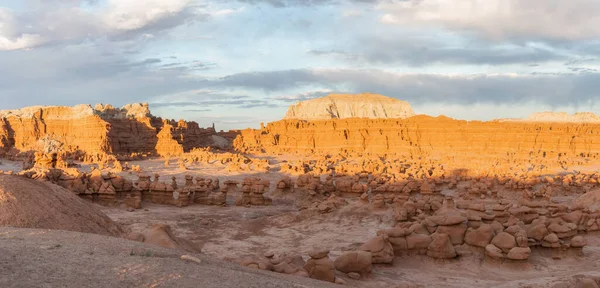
(99, 130)
(467, 144)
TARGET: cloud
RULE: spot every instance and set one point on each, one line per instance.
(420, 51)
(303, 96)
(500, 19)
(290, 3)
(550, 89)
(75, 74)
(197, 110)
(136, 14)
(61, 21)
(209, 98)
(9, 38)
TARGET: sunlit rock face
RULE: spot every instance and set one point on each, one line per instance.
(341, 106)
(99, 129)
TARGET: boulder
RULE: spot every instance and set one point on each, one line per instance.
(441, 247)
(551, 241)
(447, 220)
(537, 232)
(455, 232)
(578, 242)
(504, 241)
(587, 283)
(519, 253)
(354, 261)
(320, 269)
(481, 236)
(394, 232)
(492, 251)
(381, 249)
(318, 254)
(418, 241)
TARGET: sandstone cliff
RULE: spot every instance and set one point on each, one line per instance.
(98, 130)
(469, 143)
(340, 106)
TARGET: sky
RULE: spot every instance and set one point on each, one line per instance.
(237, 63)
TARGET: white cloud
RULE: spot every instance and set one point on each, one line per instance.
(351, 13)
(224, 12)
(11, 39)
(22, 42)
(135, 14)
(67, 21)
(552, 19)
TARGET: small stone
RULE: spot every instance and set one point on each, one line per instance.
(519, 253)
(354, 275)
(492, 251)
(578, 242)
(191, 259)
(318, 254)
(340, 281)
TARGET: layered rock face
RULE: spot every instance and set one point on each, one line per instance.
(340, 106)
(99, 130)
(78, 127)
(471, 144)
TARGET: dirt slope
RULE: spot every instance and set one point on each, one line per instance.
(29, 203)
(50, 258)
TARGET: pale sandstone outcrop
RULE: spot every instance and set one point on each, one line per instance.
(340, 106)
(580, 117)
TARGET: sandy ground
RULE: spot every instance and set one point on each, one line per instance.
(30, 257)
(229, 233)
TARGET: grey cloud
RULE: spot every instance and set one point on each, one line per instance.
(85, 74)
(264, 80)
(303, 96)
(388, 49)
(187, 15)
(204, 99)
(566, 89)
(288, 3)
(189, 66)
(58, 22)
(197, 110)
(501, 19)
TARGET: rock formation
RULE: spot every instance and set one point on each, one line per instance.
(340, 106)
(97, 130)
(485, 147)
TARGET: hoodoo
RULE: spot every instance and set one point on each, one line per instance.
(340, 106)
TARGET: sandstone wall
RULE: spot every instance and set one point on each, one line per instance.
(77, 127)
(472, 143)
(102, 129)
